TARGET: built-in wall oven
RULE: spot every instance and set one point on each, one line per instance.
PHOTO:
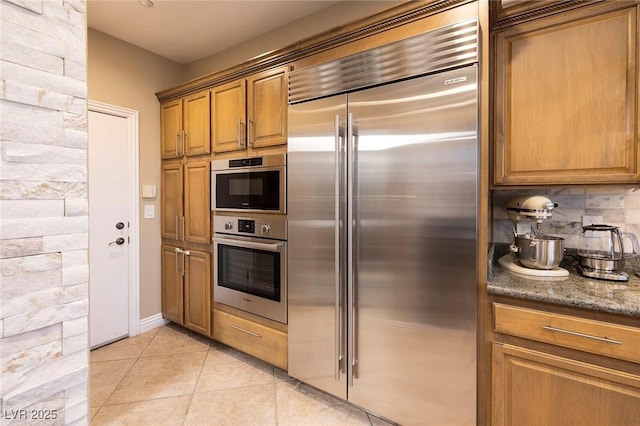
(250, 264)
(256, 184)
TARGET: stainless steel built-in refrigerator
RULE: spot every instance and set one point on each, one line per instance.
(382, 186)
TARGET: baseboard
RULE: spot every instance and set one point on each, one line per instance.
(154, 321)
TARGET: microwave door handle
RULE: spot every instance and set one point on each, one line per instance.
(250, 244)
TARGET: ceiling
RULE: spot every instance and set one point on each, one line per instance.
(186, 30)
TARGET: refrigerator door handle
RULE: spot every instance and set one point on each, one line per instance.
(338, 284)
(351, 273)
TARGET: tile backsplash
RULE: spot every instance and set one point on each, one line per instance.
(618, 206)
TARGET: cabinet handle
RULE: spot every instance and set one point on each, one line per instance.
(184, 143)
(177, 228)
(177, 250)
(177, 136)
(252, 139)
(183, 227)
(185, 253)
(588, 336)
(240, 134)
(253, 333)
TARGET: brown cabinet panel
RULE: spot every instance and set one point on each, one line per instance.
(228, 116)
(265, 343)
(186, 126)
(197, 124)
(171, 213)
(197, 291)
(532, 388)
(602, 338)
(267, 108)
(567, 98)
(171, 129)
(250, 113)
(185, 201)
(197, 205)
(172, 288)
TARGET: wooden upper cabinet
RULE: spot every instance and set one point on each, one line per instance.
(185, 126)
(171, 129)
(228, 117)
(267, 108)
(250, 113)
(197, 206)
(197, 124)
(171, 199)
(185, 200)
(566, 104)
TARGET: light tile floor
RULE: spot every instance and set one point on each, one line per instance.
(170, 376)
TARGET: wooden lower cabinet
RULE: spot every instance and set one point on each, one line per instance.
(172, 288)
(186, 287)
(197, 291)
(535, 388)
(554, 366)
(263, 342)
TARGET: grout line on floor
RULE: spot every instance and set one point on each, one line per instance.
(123, 376)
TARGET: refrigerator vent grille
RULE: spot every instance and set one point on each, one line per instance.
(446, 47)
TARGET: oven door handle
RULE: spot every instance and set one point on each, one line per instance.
(277, 247)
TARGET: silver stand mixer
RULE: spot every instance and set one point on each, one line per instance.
(536, 253)
(526, 210)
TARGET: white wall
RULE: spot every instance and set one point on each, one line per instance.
(122, 74)
(326, 19)
(44, 216)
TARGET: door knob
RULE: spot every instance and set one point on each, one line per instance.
(119, 241)
(119, 225)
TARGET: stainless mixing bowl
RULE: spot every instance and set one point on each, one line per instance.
(543, 252)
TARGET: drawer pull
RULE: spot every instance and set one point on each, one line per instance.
(588, 336)
(253, 333)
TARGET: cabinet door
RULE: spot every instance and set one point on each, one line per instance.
(532, 388)
(267, 108)
(197, 291)
(171, 200)
(172, 290)
(171, 129)
(197, 201)
(567, 98)
(228, 117)
(197, 128)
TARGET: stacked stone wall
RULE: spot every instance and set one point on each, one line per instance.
(44, 274)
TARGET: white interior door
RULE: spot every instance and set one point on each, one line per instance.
(109, 221)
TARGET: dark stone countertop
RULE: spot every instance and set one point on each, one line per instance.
(575, 290)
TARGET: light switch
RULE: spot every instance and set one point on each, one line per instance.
(149, 191)
(149, 211)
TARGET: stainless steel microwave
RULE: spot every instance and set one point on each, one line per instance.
(256, 184)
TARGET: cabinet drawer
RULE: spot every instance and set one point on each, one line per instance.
(254, 339)
(596, 337)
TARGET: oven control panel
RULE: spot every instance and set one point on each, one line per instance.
(247, 226)
(271, 226)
